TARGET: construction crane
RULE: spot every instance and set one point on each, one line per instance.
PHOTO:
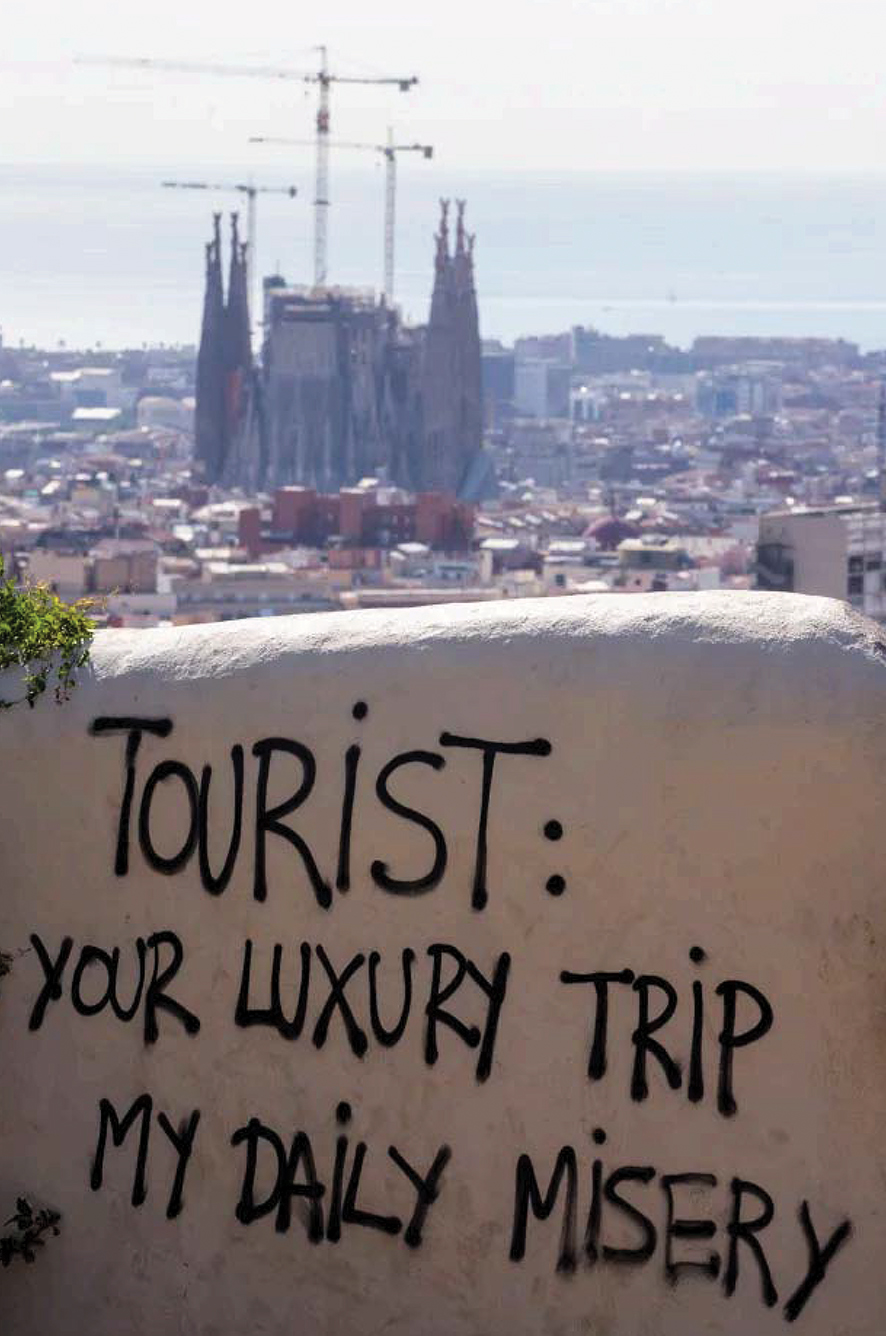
(389, 152)
(324, 80)
(250, 191)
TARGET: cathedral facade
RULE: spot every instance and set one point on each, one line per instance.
(451, 393)
(345, 389)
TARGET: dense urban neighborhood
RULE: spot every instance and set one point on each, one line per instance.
(595, 464)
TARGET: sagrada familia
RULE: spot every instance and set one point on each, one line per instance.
(345, 390)
(227, 424)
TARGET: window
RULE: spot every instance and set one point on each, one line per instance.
(856, 585)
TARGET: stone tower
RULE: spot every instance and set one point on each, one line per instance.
(242, 465)
(209, 414)
(467, 348)
(228, 439)
(451, 393)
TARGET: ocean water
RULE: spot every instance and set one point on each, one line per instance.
(91, 256)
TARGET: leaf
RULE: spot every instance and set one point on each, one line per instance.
(30, 1229)
(48, 639)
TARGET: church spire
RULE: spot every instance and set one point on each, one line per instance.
(462, 263)
(451, 390)
(209, 415)
(460, 227)
(237, 312)
(441, 296)
(442, 237)
(469, 391)
(233, 272)
(241, 460)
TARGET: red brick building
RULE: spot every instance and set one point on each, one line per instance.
(357, 518)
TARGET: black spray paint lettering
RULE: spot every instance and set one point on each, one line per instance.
(642, 1037)
(181, 1139)
(490, 750)
(294, 1176)
(651, 1023)
(95, 982)
(820, 1259)
(349, 996)
(198, 804)
(269, 821)
(680, 1227)
(743, 1230)
(288, 1024)
(161, 774)
(134, 730)
(343, 871)
(730, 1039)
(275, 757)
(493, 990)
(379, 869)
(217, 884)
(750, 1212)
(338, 1002)
(647, 1233)
(529, 1196)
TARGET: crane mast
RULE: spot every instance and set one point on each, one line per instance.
(321, 198)
(324, 80)
(390, 215)
(389, 151)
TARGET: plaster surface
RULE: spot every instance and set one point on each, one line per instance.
(706, 820)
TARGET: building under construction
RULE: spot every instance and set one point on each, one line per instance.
(345, 389)
(451, 390)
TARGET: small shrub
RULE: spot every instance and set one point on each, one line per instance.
(50, 640)
(45, 637)
(30, 1226)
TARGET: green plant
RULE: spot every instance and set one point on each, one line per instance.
(47, 638)
(30, 1227)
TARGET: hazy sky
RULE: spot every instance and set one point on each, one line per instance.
(535, 84)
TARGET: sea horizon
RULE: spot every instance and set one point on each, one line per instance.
(104, 256)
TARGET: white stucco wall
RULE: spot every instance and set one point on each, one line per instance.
(717, 765)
